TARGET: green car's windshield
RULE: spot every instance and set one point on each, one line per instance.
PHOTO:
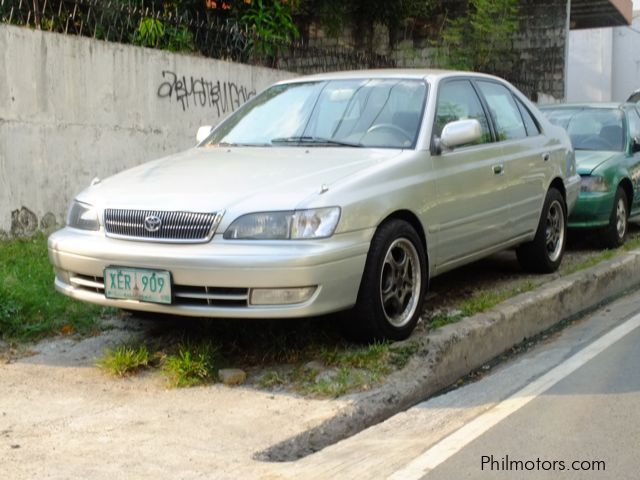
(590, 128)
(383, 113)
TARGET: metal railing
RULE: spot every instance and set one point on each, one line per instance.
(181, 32)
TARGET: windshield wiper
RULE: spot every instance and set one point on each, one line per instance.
(233, 144)
(306, 140)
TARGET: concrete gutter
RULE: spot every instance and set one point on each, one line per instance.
(455, 350)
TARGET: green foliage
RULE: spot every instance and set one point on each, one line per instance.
(471, 41)
(30, 308)
(124, 360)
(273, 25)
(149, 32)
(153, 33)
(193, 364)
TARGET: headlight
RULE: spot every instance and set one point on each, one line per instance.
(593, 183)
(288, 225)
(83, 216)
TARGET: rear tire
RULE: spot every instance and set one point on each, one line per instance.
(615, 233)
(544, 253)
(393, 284)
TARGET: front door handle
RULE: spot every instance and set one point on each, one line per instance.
(545, 156)
(498, 169)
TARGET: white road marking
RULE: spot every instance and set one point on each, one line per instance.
(455, 442)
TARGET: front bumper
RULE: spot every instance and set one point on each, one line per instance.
(209, 279)
(592, 210)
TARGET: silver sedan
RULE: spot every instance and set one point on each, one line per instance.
(327, 193)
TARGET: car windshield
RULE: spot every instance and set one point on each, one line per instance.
(590, 128)
(381, 113)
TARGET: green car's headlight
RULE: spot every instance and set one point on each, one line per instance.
(593, 183)
(83, 216)
(287, 225)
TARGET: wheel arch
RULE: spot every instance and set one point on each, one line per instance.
(558, 184)
(413, 220)
(627, 186)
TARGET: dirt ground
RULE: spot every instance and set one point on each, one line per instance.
(61, 417)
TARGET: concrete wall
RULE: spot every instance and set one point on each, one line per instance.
(625, 76)
(533, 59)
(604, 63)
(73, 108)
(589, 57)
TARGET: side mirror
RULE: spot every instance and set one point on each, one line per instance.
(203, 132)
(635, 144)
(460, 132)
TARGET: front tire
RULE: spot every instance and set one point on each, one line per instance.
(615, 233)
(544, 253)
(393, 284)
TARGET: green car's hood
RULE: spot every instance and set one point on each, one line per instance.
(588, 160)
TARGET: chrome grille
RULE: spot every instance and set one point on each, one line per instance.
(188, 295)
(183, 227)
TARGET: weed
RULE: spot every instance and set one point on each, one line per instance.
(272, 379)
(370, 357)
(344, 381)
(401, 354)
(193, 364)
(125, 360)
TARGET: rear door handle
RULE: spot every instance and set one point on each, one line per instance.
(498, 169)
(545, 157)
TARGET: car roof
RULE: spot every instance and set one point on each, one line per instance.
(585, 105)
(404, 73)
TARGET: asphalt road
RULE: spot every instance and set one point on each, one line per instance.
(572, 398)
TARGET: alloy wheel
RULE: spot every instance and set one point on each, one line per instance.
(621, 218)
(400, 282)
(555, 231)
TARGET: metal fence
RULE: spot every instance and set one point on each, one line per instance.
(118, 21)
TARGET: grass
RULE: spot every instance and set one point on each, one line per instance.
(193, 364)
(342, 368)
(125, 360)
(480, 302)
(592, 261)
(30, 308)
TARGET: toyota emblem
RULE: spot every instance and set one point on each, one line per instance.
(152, 223)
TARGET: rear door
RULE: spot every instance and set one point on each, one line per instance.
(524, 154)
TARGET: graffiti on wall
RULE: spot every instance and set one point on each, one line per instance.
(189, 91)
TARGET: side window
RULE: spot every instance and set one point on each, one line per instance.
(529, 123)
(458, 100)
(634, 124)
(506, 116)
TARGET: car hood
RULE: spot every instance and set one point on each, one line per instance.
(212, 179)
(587, 160)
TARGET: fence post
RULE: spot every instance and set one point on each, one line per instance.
(36, 14)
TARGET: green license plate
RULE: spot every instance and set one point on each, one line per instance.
(137, 284)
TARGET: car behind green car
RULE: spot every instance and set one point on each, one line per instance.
(606, 138)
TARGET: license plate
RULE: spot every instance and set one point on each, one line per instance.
(152, 286)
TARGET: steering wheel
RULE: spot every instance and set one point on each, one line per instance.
(393, 128)
(597, 143)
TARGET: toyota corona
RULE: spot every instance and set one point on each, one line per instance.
(334, 192)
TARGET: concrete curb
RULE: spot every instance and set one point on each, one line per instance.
(453, 351)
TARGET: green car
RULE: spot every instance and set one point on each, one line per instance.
(606, 139)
